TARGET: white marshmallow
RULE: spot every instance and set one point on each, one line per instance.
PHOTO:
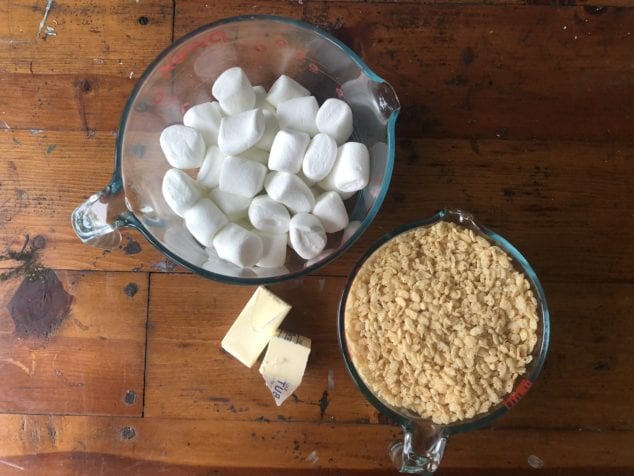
(240, 131)
(270, 272)
(316, 191)
(305, 179)
(209, 172)
(331, 211)
(183, 146)
(258, 155)
(238, 246)
(204, 220)
(179, 191)
(245, 223)
(335, 119)
(289, 190)
(285, 88)
(179, 240)
(328, 184)
(205, 118)
(350, 230)
(271, 127)
(379, 153)
(241, 176)
(220, 266)
(232, 205)
(327, 252)
(273, 249)
(307, 235)
(287, 151)
(268, 215)
(299, 114)
(346, 195)
(215, 264)
(234, 91)
(320, 157)
(351, 171)
(260, 99)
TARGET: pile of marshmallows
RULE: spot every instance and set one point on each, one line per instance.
(258, 154)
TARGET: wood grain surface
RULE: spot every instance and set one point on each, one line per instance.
(110, 361)
(130, 444)
(82, 351)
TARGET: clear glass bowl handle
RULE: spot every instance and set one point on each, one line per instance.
(420, 451)
(97, 221)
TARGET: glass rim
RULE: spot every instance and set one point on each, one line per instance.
(133, 221)
(541, 346)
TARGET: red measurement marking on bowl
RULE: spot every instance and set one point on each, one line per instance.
(199, 44)
(281, 42)
(301, 54)
(167, 68)
(260, 48)
(216, 37)
(339, 92)
(519, 392)
(313, 68)
(193, 46)
(182, 54)
(158, 97)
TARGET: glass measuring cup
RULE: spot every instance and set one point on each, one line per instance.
(265, 47)
(424, 442)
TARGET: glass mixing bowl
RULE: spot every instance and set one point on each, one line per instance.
(424, 442)
(265, 47)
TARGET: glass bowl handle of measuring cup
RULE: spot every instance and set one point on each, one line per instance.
(421, 450)
(97, 221)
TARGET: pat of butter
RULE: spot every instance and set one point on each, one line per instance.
(284, 364)
(254, 327)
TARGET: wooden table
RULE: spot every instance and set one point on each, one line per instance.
(110, 361)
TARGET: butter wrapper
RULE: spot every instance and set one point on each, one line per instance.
(284, 364)
(279, 389)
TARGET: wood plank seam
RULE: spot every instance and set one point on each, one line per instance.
(147, 325)
(173, 20)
